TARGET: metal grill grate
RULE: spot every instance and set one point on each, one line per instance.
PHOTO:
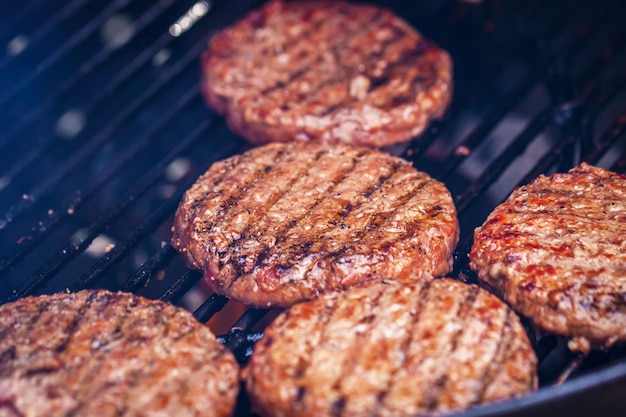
(103, 128)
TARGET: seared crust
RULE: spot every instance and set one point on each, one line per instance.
(97, 353)
(556, 252)
(385, 348)
(326, 71)
(282, 223)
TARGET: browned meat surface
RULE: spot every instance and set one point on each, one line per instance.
(326, 71)
(282, 223)
(97, 353)
(385, 348)
(556, 252)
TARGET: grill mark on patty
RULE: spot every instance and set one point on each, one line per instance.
(346, 70)
(377, 311)
(259, 228)
(272, 184)
(433, 396)
(420, 299)
(372, 224)
(140, 374)
(369, 351)
(200, 230)
(255, 20)
(356, 348)
(89, 367)
(405, 70)
(305, 68)
(307, 242)
(499, 359)
(229, 198)
(335, 333)
(434, 336)
(319, 324)
(216, 178)
(8, 367)
(524, 244)
(465, 374)
(301, 245)
(257, 257)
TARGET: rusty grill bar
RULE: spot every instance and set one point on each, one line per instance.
(103, 128)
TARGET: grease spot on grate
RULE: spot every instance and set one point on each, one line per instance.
(177, 169)
(186, 21)
(70, 124)
(17, 45)
(117, 30)
(161, 57)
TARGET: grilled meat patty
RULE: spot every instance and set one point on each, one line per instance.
(385, 348)
(98, 353)
(326, 71)
(282, 223)
(556, 252)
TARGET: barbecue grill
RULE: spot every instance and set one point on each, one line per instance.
(103, 128)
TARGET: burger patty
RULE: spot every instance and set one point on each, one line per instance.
(385, 348)
(98, 353)
(326, 71)
(282, 223)
(556, 252)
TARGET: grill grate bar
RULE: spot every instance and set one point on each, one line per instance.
(62, 50)
(79, 197)
(86, 69)
(16, 20)
(115, 255)
(239, 339)
(499, 110)
(487, 123)
(114, 211)
(48, 25)
(71, 250)
(210, 307)
(156, 217)
(49, 183)
(149, 268)
(620, 164)
(493, 172)
(616, 131)
(183, 284)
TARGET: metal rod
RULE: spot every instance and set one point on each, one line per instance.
(49, 183)
(183, 284)
(63, 49)
(46, 225)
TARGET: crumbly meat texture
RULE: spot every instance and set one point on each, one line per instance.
(385, 348)
(283, 223)
(327, 71)
(98, 353)
(555, 250)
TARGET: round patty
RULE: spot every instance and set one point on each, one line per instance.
(386, 348)
(556, 252)
(282, 223)
(98, 353)
(326, 71)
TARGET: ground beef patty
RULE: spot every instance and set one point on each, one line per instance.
(385, 348)
(97, 353)
(282, 223)
(327, 71)
(556, 252)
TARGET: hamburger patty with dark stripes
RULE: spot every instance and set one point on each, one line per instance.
(555, 250)
(282, 223)
(326, 71)
(384, 348)
(97, 353)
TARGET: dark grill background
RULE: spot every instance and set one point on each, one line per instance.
(102, 128)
